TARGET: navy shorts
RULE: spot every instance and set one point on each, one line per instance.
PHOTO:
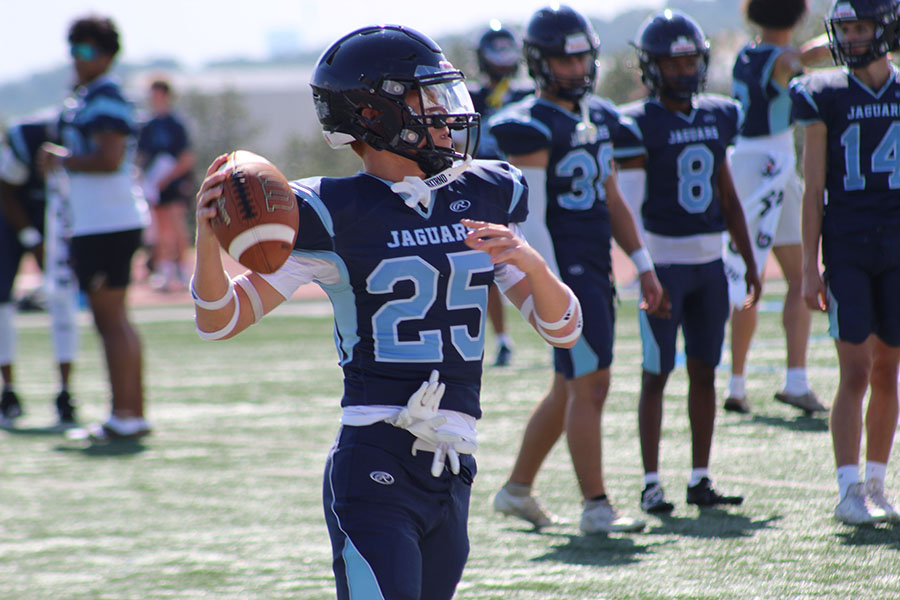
(590, 281)
(396, 532)
(863, 280)
(104, 259)
(699, 296)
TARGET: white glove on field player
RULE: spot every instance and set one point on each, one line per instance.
(420, 417)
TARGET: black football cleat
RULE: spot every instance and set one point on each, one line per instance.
(703, 494)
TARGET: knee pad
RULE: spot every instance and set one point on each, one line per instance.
(63, 308)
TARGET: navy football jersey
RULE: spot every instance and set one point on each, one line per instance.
(766, 104)
(862, 174)
(578, 167)
(684, 154)
(24, 139)
(408, 295)
(98, 106)
(487, 145)
(164, 134)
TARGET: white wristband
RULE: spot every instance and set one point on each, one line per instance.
(218, 335)
(564, 320)
(641, 260)
(214, 304)
(253, 295)
(30, 237)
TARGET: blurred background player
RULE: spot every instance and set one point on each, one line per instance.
(499, 52)
(851, 136)
(166, 159)
(29, 223)
(97, 130)
(409, 317)
(680, 140)
(562, 140)
(763, 167)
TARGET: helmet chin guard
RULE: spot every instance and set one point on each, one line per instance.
(392, 88)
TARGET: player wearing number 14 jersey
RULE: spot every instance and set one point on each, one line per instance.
(680, 137)
(406, 250)
(851, 119)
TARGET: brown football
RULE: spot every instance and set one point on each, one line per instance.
(258, 216)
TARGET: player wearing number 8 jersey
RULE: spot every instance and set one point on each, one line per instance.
(851, 118)
(679, 143)
(406, 250)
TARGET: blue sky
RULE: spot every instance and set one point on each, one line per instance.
(198, 31)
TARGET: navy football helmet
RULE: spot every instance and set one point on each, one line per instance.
(498, 53)
(884, 14)
(669, 34)
(377, 68)
(560, 31)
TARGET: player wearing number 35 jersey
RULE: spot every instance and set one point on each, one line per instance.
(406, 250)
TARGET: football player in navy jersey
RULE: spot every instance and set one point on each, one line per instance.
(498, 55)
(851, 119)
(680, 137)
(406, 250)
(562, 139)
(28, 223)
(763, 166)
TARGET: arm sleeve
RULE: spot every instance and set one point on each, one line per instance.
(516, 135)
(804, 109)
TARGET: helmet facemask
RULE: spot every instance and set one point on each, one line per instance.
(680, 88)
(408, 130)
(857, 54)
(568, 88)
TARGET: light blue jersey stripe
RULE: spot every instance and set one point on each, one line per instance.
(343, 303)
(518, 188)
(834, 329)
(317, 205)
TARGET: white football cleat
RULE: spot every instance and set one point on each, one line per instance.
(599, 516)
(875, 492)
(855, 508)
(526, 508)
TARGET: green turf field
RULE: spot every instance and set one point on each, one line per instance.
(223, 501)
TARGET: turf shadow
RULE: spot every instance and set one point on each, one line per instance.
(713, 523)
(35, 431)
(800, 423)
(887, 535)
(122, 447)
(597, 550)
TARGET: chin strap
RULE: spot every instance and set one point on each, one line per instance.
(585, 131)
(415, 190)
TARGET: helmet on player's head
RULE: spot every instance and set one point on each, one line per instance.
(559, 31)
(378, 68)
(670, 34)
(498, 52)
(884, 15)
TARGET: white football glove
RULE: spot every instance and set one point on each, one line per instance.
(420, 417)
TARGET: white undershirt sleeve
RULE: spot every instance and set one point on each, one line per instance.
(534, 229)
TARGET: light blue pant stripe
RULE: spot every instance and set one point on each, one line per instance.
(360, 577)
(834, 329)
(649, 345)
(584, 359)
